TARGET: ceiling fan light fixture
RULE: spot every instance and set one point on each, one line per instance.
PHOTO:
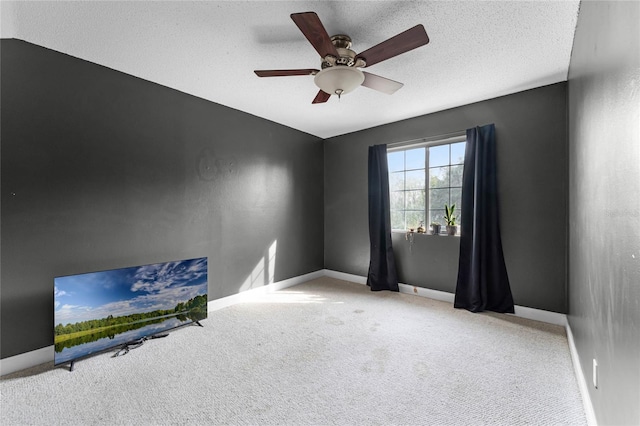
(339, 80)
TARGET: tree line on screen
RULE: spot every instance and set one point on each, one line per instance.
(194, 305)
(62, 342)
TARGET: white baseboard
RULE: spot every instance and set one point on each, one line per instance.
(26, 360)
(344, 276)
(582, 382)
(214, 305)
(443, 296)
(541, 315)
(41, 356)
(521, 311)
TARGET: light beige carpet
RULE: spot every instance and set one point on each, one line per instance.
(324, 352)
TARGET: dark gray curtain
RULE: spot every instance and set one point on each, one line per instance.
(382, 265)
(483, 284)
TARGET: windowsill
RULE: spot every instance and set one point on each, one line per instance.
(426, 234)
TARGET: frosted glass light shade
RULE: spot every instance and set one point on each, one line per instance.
(339, 79)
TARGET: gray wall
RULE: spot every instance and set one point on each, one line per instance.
(103, 170)
(531, 131)
(604, 244)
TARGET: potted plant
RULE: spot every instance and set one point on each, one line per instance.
(450, 218)
(435, 228)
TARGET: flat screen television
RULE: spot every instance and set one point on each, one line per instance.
(98, 311)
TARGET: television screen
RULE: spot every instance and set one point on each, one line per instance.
(98, 311)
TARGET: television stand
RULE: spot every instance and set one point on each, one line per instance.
(124, 349)
(198, 323)
(158, 336)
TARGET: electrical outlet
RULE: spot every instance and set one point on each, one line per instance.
(595, 373)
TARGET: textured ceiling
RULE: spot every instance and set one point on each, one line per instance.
(478, 50)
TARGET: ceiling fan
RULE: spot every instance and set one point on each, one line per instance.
(340, 65)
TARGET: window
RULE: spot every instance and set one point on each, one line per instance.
(423, 178)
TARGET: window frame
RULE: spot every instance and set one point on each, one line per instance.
(426, 143)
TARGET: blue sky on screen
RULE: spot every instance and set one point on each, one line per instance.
(129, 290)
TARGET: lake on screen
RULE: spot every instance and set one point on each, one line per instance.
(110, 340)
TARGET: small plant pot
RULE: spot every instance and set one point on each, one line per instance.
(435, 229)
(452, 229)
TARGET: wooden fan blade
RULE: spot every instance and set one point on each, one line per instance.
(321, 97)
(285, 73)
(403, 42)
(380, 84)
(314, 31)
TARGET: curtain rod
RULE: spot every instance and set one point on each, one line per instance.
(428, 139)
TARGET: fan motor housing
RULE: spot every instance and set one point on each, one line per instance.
(346, 56)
